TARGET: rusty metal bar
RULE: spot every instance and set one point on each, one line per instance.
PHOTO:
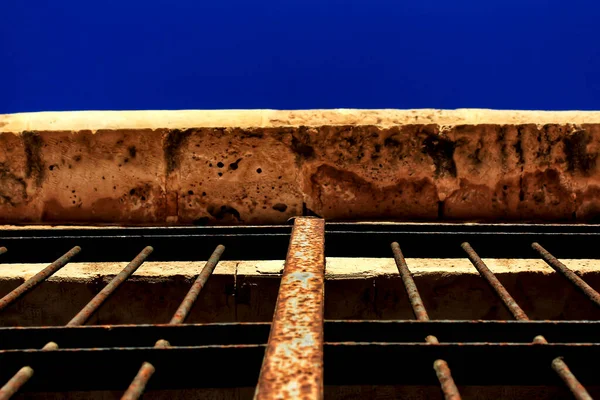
(491, 279)
(25, 373)
(552, 261)
(293, 363)
(16, 382)
(409, 284)
(38, 278)
(3, 250)
(138, 385)
(441, 367)
(561, 368)
(558, 364)
(190, 298)
(91, 307)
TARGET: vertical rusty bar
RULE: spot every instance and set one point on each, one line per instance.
(25, 373)
(558, 365)
(442, 370)
(552, 261)
(38, 278)
(293, 363)
(3, 250)
(138, 385)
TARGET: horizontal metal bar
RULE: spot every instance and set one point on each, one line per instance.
(335, 331)
(270, 242)
(346, 364)
(370, 227)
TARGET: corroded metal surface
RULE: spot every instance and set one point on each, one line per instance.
(558, 365)
(293, 363)
(552, 261)
(138, 385)
(25, 373)
(91, 307)
(491, 279)
(409, 284)
(14, 384)
(442, 370)
(3, 250)
(190, 298)
(441, 367)
(577, 389)
(38, 278)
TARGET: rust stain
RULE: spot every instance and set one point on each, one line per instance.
(293, 363)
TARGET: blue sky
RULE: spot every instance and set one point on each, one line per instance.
(298, 54)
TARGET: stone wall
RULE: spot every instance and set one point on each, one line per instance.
(264, 166)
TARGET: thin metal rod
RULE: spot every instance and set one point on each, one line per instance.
(91, 307)
(293, 364)
(442, 370)
(409, 284)
(3, 250)
(38, 278)
(558, 365)
(491, 279)
(25, 373)
(16, 382)
(561, 368)
(552, 261)
(190, 298)
(138, 385)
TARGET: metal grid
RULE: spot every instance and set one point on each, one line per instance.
(300, 352)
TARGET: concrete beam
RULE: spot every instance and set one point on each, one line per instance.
(265, 166)
(357, 288)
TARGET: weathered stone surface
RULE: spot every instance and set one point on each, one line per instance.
(246, 291)
(265, 166)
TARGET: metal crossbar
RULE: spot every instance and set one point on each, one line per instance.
(299, 352)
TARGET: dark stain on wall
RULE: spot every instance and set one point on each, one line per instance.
(35, 166)
(175, 139)
(441, 151)
(578, 159)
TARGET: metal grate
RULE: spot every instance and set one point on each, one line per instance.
(300, 352)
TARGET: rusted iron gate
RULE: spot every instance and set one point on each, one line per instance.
(296, 355)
